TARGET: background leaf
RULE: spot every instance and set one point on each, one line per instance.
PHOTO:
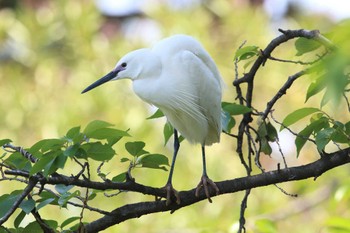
(297, 115)
(304, 45)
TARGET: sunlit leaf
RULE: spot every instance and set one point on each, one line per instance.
(304, 45)
(157, 114)
(296, 116)
(168, 131)
(135, 148)
(246, 52)
(157, 161)
(75, 135)
(95, 125)
(315, 87)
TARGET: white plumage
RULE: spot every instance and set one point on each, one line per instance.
(180, 78)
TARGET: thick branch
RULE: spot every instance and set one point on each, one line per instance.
(312, 170)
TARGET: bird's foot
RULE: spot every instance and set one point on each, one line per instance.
(205, 183)
(170, 193)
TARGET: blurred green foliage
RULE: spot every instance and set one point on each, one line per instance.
(51, 50)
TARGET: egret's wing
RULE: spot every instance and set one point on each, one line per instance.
(204, 76)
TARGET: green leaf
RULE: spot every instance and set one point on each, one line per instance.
(16, 160)
(65, 197)
(27, 205)
(32, 227)
(44, 203)
(227, 122)
(265, 146)
(135, 148)
(340, 135)
(69, 221)
(272, 134)
(315, 87)
(246, 52)
(46, 160)
(81, 154)
(323, 138)
(98, 151)
(75, 135)
(95, 125)
(235, 109)
(61, 188)
(297, 115)
(73, 132)
(111, 135)
(314, 127)
(19, 219)
(70, 151)
(304, 45)
(46, 145)
(156, 161)
(7, 201)
(119, 178)
(4, 141)
(168, 131)
(264, 136)
(157, 114)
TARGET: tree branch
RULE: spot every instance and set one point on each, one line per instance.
(312, 170)
(26, 191)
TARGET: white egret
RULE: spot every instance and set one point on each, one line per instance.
(180, 78)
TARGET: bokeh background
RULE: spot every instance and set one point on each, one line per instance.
(51, 50)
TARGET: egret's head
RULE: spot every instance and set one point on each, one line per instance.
(134, 65)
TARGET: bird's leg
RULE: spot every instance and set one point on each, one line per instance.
(169, 186)
(205, 181)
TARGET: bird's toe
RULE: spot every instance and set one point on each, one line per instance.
(170, 194)
(205, 183)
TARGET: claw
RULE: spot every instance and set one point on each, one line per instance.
(205, 182)
(170, 191)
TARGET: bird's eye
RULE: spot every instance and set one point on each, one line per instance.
(124, 64)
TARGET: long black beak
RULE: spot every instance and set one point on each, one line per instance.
(102, 80)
